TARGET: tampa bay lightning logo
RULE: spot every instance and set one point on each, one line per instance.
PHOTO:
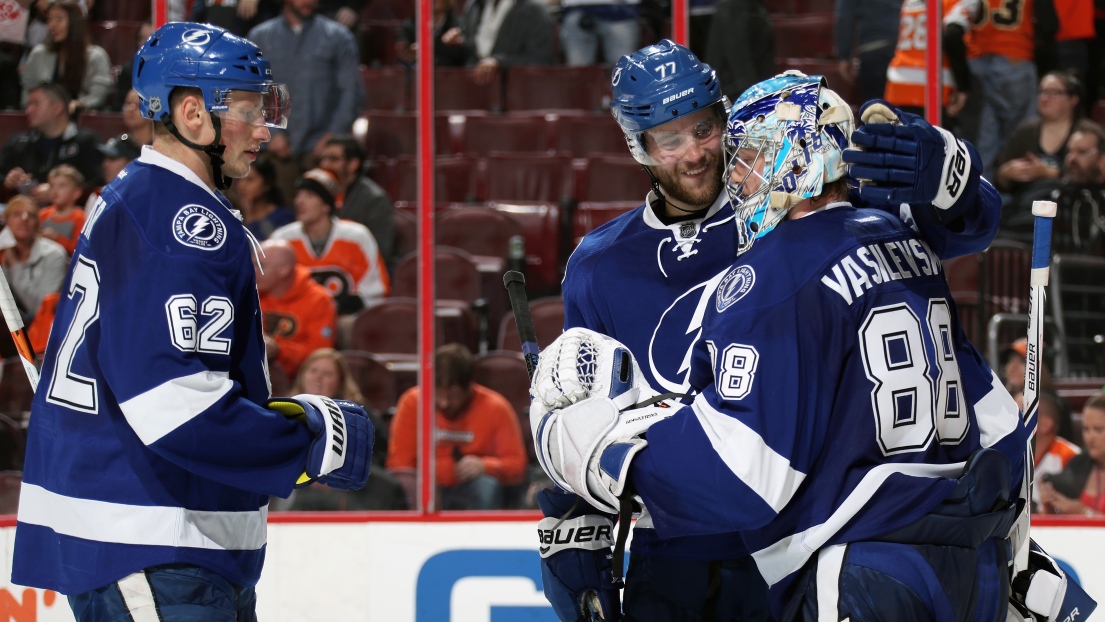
(196, 37)
(195, 225)
(734, 286)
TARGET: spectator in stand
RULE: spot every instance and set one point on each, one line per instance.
(1074, 38)
(587, 24)
(36, 24)
(1080, 488)
(364, 200)
(118, 153)
(69, 58)
(478, 447)
(34, 266)
(238, 17)
(1013, 368)
(325, 372)
(1053, 452)
(905, 76)
(297, 313)
(1001, 56)
(53, 139)
(345, 12)
(317, 58)
(139, 128)
(1036, 149)
(63, 220)
(260, 201)
(123, 84)
(14, 16)
(865, 36)
(741, 46)
(342, 255)
(1079, 227)
(444, 55)
(504, 33)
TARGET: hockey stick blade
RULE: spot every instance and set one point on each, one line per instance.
(19, 333)
(515, 284)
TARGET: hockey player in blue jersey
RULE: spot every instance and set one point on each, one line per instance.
(671, 110)
(153, 445)
(843, 425)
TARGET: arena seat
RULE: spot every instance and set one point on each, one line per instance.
(612, 178)
(548, 321)
(541, 227)
(589, 215)
(104, 124)
(584, 135)
(485, 134)
(540, 87)
(526, 177)
(12, 123)
(391, 134)
(15, 390)
(477, 230)
(373, 377)
(390, 329)
(387, 88)
(406, 232)
(803, 36)
(377, 38)
(506, 373)
(118, 38)
(455, 276)
(456, 89)
(454, 178)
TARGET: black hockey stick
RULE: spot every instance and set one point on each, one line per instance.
(515, 283)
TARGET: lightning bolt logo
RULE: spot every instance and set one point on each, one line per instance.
(201, 224)
(198, 226)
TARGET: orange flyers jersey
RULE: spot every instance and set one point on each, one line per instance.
(66, 229)
(301, 321)
(906, 76)
(1052, 462)
(1075, 19)
(1003, 28)
(349, 264)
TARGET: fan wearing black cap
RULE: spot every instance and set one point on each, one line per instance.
(118, 153)
(342, 255)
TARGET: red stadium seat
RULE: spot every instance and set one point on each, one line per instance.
(485, 134)
(377, 38)
(386, 89)
(455, 89)
(478, 230)
(15, 390)
(505, 373)
(613, 178)
(586, 134)
(548, 322)
(455, 276)
(588, 215)
(803, 36)
(104, 124)
(454, 178)
(120, 10)
(541, 226)
(12, 123)
(526, 177)
(399, 10)
(557, 88)
(390, 328)
(389, 135)
(373, 377)
(406, 232)
(118, 38)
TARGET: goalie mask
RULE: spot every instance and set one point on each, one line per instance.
(783, 143)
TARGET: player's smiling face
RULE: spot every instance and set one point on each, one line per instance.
(243, 133)
(689, 152)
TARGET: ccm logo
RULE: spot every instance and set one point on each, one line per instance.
(682, 93)
(337, 437)
(954, 182)
(583, 534)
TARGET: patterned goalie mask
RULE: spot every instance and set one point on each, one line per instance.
(783, 143)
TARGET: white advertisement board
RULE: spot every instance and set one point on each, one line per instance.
(434, 571)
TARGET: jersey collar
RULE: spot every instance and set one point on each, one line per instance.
(653, 221)
(155, 158)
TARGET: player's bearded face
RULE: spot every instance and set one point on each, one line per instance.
(688, 152)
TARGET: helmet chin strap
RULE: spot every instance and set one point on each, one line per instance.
(214, 151)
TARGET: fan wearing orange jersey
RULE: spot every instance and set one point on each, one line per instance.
(906, 77)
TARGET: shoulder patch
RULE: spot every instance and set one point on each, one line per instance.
(195, 225)
(735, 286)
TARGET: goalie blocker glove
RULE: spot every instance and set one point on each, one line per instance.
(342, 435)
(901, 158)
(575, 546)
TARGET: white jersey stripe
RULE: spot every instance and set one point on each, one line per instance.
(746, 454)
(149, 525)
(166, 407)
(830, 561)
(997, 414)
(138, 597)
(791, 553)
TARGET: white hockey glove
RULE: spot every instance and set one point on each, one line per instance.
(586, 430)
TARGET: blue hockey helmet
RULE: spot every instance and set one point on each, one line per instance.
(784, 141)
(213, 60)
(658, 84)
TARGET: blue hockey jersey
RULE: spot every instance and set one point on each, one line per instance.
(148, 442)
(840, 398)
(640, 281)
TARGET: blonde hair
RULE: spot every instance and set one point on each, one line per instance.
(66, 170)
(18, 200)
(348, 389)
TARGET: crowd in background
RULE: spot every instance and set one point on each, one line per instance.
(329, 232)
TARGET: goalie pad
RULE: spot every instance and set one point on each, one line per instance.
(1045, 591)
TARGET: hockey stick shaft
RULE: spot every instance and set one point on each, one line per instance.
(19, 334)
(1044, 211)
(515, 283)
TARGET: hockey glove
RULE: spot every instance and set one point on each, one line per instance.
(901, 158)
(575, 558)
(341, 448)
